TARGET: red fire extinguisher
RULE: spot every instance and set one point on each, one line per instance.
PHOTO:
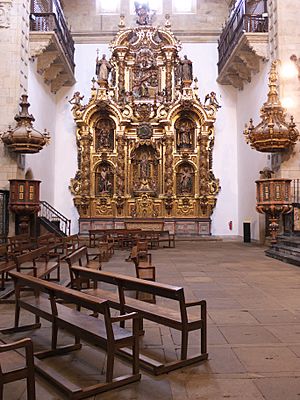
(230, 225)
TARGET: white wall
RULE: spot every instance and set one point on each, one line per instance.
(65, 144)
(250, 161)
(205, 58)
(43, 108)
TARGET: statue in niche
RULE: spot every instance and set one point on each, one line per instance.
(185, 133)
(144, 176)
(103, 68)
(105, 180)
(186, 69)
(144, 167)
(104, 135)
(185, 180)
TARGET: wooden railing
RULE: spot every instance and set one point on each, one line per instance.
(295, 189)
(55, 22)
(238, 24)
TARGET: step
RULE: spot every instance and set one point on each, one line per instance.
(279, 247)
(289, 259)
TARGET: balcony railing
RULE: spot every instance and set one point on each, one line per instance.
(239, 23)
(51, 22)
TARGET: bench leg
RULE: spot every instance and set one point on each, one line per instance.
(110, 365)
(54, 336)
(30, 376)
(184, 344)
(135, 346)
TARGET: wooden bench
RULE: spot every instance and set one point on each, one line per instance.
(21, 243)
(6, 264)
(179, 319)
(18, 373)
(98, 332)
(38, 263)
(70, 244)
(80, 257)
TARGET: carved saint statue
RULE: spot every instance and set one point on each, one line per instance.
(144, 167)
(103, 68)
(185, 181)
(105, 180)
(142, 11)
(186, 69)
(184, 134)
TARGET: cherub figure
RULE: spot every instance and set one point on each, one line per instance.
(75, 101)
(212, 100)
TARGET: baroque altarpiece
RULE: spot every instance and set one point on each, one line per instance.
(144, 139)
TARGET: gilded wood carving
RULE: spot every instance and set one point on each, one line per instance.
(144, 139)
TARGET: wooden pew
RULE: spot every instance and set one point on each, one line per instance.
(179, 319)
(6, 264)
(21, 243)
(70, 244)
(19, 373)
(38, 263)
(98, 332)
(80, 257)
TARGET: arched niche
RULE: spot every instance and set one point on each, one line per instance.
(185, 179)
(144, 161)
(185, 130)
(104, 134)
(104, 179)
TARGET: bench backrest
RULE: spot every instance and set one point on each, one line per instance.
(71, 243)
(78, 257)
(32, 256)
(60, 292)
(130, 283)
(3, 252)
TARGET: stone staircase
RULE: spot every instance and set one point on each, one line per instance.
(287, 249)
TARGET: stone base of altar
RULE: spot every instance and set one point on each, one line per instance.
(181, 227)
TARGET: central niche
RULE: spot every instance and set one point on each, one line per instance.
(185, 133)
(145, 163)
(104, 134)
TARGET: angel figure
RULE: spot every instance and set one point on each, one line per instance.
(212, 100)
(75, 101)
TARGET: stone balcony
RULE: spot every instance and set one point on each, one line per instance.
(241, 49)
(53, 47)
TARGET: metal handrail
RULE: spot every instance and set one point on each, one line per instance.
(54, 216)
(48, 22)
(239, 24)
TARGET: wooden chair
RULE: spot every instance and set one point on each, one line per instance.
(20, 373)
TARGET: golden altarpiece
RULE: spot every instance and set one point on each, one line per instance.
(144, 139)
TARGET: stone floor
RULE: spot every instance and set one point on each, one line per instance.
(253, 333)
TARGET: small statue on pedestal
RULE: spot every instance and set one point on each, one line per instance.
(103, 68)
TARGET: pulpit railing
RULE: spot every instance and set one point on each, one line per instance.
(295, 190)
